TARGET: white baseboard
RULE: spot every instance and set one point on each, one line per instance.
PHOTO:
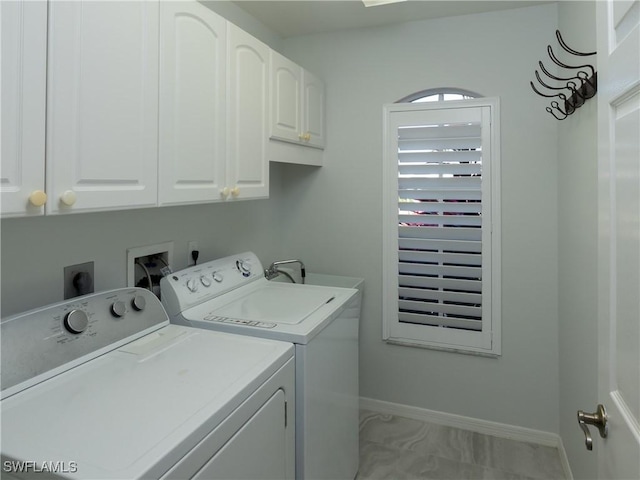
(485, 427)
(565, 461)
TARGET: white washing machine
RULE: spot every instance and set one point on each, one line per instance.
(231, 294)
(103, 387)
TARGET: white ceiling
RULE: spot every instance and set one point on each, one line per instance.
(294, 17)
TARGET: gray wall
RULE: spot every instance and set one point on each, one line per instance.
(242, 19)
(36, 250)
(333, 215)
(578, 233)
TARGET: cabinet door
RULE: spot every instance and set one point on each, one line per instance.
(24, 61)
(313, 110)
(102, 105)
(192, 102)
(258, 451)
(248, 90)
(286, 110)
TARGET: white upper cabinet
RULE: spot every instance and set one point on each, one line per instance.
(24, 61)
(297, 104)
(313, 109)
(192, 103)
(102, 105)
(112, 105)
(286, 109)
(247, 114)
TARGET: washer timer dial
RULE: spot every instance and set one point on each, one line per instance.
(244, 267)
(76, 321)
(192, 285)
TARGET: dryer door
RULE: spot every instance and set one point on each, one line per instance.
(256, 451)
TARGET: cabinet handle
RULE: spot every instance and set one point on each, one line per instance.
(37, 198)
(68, 198)
(235, 191)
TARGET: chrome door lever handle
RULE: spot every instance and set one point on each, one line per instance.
(597, 419)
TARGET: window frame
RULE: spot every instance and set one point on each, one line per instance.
(487, 342)
(441, 92)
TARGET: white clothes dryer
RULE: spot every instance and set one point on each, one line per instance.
(103, 387)
(231, 294)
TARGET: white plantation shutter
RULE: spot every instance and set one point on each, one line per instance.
(440, 225)
(439, 213)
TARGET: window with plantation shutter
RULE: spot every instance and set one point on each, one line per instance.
(441, 223)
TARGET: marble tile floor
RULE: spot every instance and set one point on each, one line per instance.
(398, 448)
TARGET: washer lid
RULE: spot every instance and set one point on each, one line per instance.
(277, 303)
(134, 412)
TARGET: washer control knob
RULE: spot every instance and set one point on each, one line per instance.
(192, 285)
(217, 276)
(244, 267)
(138, 303)
(206, 281)
(76, 321)
(118, 309)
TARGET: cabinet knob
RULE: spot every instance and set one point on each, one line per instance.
(224, 192)
(301, 136)
(68, 198)
(235, 191)
(37, 198)
(307, 137)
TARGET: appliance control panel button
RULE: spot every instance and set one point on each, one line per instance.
(76, 321)
(138, 303)
(244, 267)
(192, 285)
(206, 281)
(118, 309)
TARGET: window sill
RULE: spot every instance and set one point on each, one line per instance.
(430, 346)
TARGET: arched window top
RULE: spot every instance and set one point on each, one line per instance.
(439, 95)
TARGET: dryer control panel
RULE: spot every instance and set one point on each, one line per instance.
(46, 341)
(197, 284)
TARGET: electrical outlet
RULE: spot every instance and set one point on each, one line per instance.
(191, 246)
(78, 280)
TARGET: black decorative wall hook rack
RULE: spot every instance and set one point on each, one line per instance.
(577, 87)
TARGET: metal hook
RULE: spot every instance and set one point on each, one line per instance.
(548, 86)
(550, 110)
(570, 108)
(544, 94)
(584, 77)
(559, 63)
(568, 105)
(589, 84)
(560, 79)
(569, 49)
(582, 85)
(577, 98)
